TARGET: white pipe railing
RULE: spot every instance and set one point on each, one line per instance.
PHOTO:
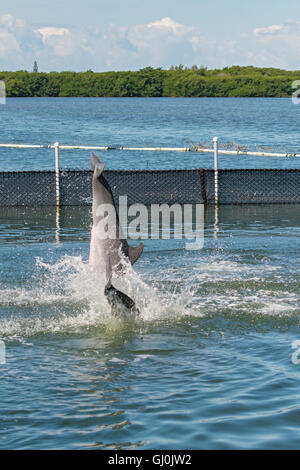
(23, 146)
(81, 147)
(194, 148)
(246, 152)
(159, 149)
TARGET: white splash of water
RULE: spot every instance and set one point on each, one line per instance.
(71, 299)
(68, 296)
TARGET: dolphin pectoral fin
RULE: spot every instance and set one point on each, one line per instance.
(134, 252)
(97, 166)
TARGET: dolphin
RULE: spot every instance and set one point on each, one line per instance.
(106, 253)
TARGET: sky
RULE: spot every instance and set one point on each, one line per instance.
(107, 35)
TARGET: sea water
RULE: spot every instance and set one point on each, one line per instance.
(213, 360)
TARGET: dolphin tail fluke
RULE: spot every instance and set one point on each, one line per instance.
(134, 252)
(117, 299)
(97, 166)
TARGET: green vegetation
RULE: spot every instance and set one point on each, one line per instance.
(177, 81)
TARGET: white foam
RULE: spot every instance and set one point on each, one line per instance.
(71, 299)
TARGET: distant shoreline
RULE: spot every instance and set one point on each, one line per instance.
(177, 82)
(154, 97)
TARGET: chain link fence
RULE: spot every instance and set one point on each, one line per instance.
(238, 186)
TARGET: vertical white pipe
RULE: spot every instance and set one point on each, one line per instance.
(215, 140)
(216, 226)
(57, 231)
(56, 152)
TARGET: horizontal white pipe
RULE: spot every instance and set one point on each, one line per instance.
(21, 146)
(82, 147)
(66, 147)
(169, 149)
(244, 152)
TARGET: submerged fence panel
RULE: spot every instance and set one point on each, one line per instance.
(239, 186)
(27, 188)
(145, 186)
(259, 186)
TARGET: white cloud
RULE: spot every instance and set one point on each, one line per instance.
(269, 29)
(52, 31)
(158, 43)
(284, 30)
(8, 44)
(9, 22)
(278, 45)
(168, 25)
(18, 43)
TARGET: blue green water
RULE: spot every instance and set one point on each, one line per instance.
(208, 365)
(143, 122)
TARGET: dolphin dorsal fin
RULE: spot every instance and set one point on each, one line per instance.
(134, 252)
(97, 166)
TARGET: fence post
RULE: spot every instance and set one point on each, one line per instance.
(215, 140)
(56, 152)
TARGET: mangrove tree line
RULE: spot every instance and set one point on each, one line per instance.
(178, 81)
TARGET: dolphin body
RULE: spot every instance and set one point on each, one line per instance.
(105, 253)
